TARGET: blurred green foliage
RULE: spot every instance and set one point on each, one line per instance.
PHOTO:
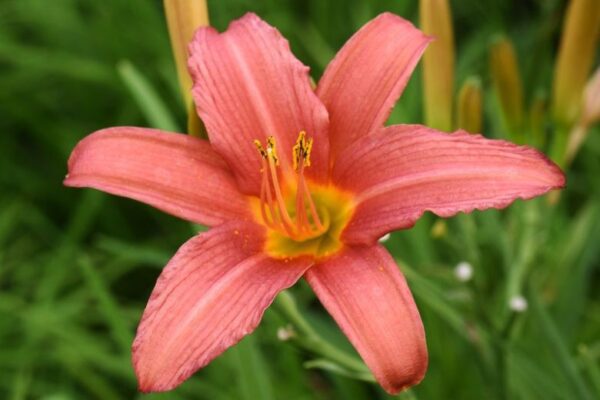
(76, 266)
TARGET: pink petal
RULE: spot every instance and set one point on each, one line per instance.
(365, 292)
(212, 293)
(248, 85)
(176, 173)
(364, 80)
(405, 170)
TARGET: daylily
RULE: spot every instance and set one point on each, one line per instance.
(295, 183)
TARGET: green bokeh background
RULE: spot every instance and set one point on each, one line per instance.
(76, 266)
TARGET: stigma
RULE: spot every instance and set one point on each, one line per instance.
(299, 219)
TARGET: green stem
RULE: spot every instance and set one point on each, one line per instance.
(501, 361)
(501, 345)
(559, 145)
(469, 233)
(308, 338)
(408, 394)
(527, 245)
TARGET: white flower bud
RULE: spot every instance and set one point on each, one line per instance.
(518, 304)
(463, 271)
(285, 333)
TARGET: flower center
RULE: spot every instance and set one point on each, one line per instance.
(302, 218)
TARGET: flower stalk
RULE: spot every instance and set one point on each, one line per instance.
(537, 114)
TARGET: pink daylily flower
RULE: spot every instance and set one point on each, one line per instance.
(295, 183)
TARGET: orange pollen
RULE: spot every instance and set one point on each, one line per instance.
(274, 212)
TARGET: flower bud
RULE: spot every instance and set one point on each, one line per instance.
(591, 100)
(508, 86)
(463, 271)
(285, 333)
(438, 63)
(439, 229)
(183, 18)
(469, 107)
(577, 50)
(518, 304)
(590, 114)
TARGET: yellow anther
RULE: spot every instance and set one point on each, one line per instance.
(269, 152)
(271, 149)
(260, 148)
(301, 150)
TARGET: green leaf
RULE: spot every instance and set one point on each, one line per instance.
(252, 371)
(150, 103)
(560, 350)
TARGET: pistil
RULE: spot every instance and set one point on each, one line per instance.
(266, 198)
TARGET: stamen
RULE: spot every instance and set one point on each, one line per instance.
(301, 150)
(260, 148)
(279, 214)
(313, 208)
(274, 221)
(276, 216)
(301, 157)
(287, 221)
(301, 219)
(265, 191)
(271, 151)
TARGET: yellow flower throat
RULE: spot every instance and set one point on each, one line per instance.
(302, 218)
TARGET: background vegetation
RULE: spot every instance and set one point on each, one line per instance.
(76, 266)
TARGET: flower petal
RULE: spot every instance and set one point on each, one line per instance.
(176, 173)
(211, 294)
(365, 292)
(248, 85)
(366, 77)
(405, 170)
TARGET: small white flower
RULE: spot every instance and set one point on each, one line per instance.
(463, 271)
(285, 333)
(518, 304)
(384, 238)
